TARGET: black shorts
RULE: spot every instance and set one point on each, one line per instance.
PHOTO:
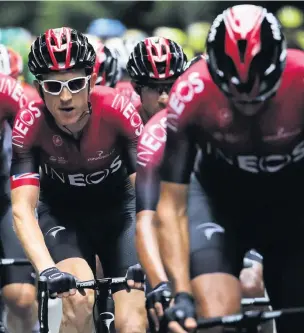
(11, 248)
(82, 231)
(223, 226)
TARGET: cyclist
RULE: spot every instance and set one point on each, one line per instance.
(84, 141)
(123, 47)
(153, 67)
(150, 150)
(17, 285)
(106, 67)
(243, 108)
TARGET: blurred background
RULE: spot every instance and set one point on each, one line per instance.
(186, 22)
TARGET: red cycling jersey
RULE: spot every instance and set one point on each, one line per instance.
(101, 157)
(268, 143)
(150, 150)
(125, 88)
(12, 97)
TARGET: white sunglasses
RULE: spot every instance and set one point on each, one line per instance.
(54, 87)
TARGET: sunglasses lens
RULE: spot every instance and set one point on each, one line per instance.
(77, 84)
(160, 88)
(52, 86)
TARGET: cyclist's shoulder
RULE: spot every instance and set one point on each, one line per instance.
(11, 92)
(28, 124)
(294, 69)
(116, 109)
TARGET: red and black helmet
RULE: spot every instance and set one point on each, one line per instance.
(154, 59)
(246, 53)
(61, 49)
(106, 67)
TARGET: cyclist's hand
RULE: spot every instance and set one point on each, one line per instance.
(158, 300)
(59, 284)
(136, 277)
(181, 316)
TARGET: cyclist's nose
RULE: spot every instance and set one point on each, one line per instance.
(65, 95)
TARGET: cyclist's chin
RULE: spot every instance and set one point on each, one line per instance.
(65, 118)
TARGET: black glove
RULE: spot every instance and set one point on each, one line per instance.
(183, 308)
(162, 293)
(58, 282)
(137, 274)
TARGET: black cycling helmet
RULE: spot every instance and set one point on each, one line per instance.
(246, 52)
(61, 49)
(155, 59)
(106, 67)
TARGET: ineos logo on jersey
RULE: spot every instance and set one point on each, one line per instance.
(255, 164)
(184, 93)
(25, 119)
(14, 89)
(128, 110)
(81, 179)
(152, 140)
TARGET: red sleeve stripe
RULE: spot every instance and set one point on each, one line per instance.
(22, 179)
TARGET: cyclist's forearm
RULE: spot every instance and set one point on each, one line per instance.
(175, 251)
(31, 238)
(148, 249)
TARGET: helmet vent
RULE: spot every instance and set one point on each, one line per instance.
(242, 45)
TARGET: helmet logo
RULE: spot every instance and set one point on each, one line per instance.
(56, 35)
(238, 22)
(240, 26)
(157, 45)
(155, 52)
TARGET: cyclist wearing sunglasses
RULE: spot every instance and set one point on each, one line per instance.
(84, 141)
(244, 108)
(153, 66)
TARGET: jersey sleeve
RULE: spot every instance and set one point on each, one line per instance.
(25, 157)
(130, 124)
(180, 150)
(150, 151)
(147, 187)
(13, 98)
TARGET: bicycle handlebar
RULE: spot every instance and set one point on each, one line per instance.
(253, 317)
(14, 262)
(255, 301)
(95, 284)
